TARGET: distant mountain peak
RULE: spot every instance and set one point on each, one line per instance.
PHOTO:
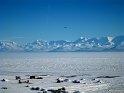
(83, 38)
(110, 38)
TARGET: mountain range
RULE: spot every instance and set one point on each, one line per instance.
(79, 45)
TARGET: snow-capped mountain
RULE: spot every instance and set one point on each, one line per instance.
(118, 40)
(38, 45)
(9, 46)
(81, 44)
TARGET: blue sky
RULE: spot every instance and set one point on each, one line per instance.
(28, 20)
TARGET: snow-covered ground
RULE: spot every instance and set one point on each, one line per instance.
(96, 72)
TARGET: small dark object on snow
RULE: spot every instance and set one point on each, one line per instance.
(39, 77)
(63, 88)
(17, 77)
(3, 80)
(108, 76)
(60, 90)
(93, 79)
(98, 81)
(59, 80)
(76, 81)
(27, 86)
(42, 89)
(76, 92)
(4, 88)
(32, 88)
(32, 77)
(27, 81)
(35, 88)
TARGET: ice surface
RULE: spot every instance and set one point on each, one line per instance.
(86, 65)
